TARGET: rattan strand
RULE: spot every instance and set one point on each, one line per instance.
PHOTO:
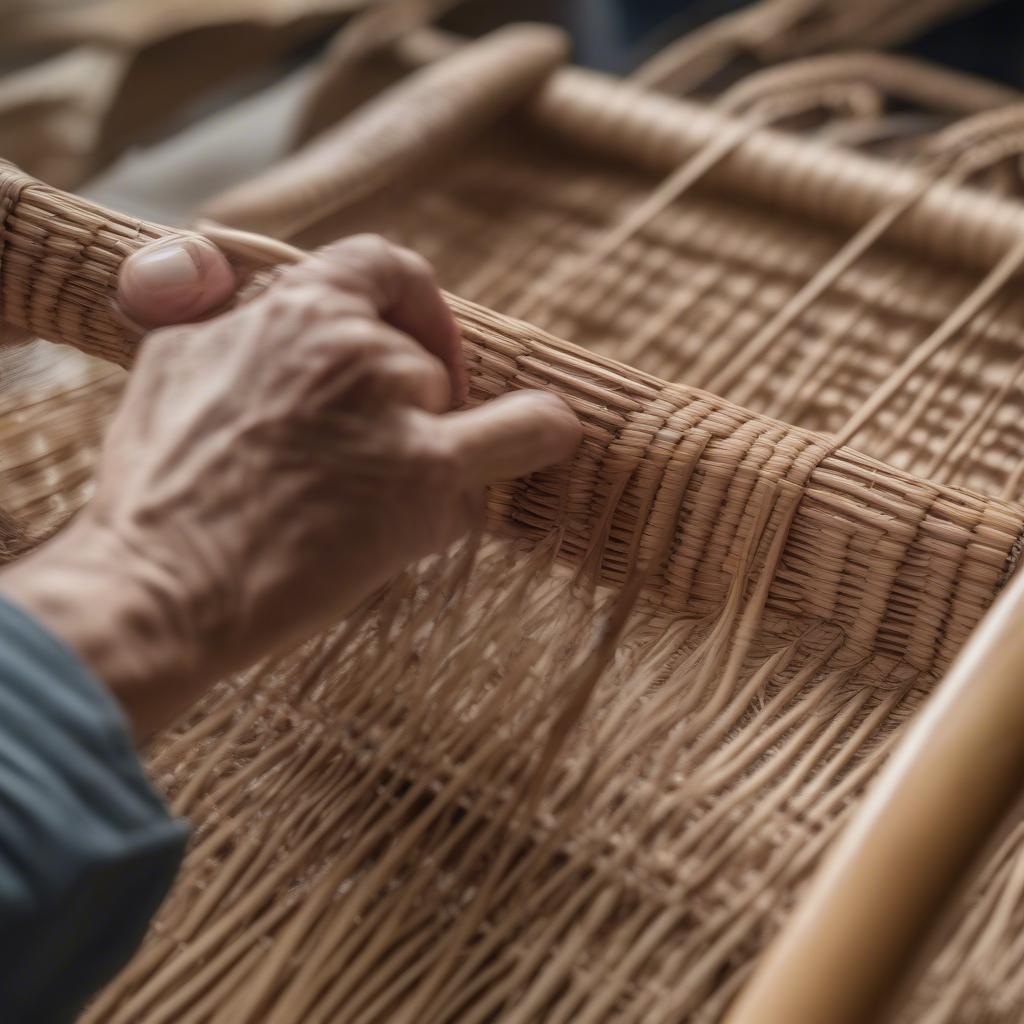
(775, 30)
(645, 434)
(941, 336)
(595, 112)
(860, 572)
(689, 292)
(829, 185)
(700, 788)
(687, 283)
(868, 81)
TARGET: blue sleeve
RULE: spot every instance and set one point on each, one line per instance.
(87, 849)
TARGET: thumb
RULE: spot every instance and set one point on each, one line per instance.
(174, 280)
(511, 436)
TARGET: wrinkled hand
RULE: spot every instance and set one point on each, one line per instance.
(270, 468)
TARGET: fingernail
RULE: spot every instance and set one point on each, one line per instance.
(166, 270)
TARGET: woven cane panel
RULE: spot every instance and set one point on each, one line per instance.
(372, 843)
(54, 407)
(657, 891)
(379, 836)
(375, 842)
(682, 297)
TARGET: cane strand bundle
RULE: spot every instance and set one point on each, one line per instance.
(782, 579)
(667, 472)
(387, 828)
(711, 288)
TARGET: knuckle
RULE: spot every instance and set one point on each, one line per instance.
(374, 252)
(417, 265)
(295, 304)
(367, 265)
(372, 265)
(383, 268)
(428, 380)
(549, 419)
(409, 378)
(359, 361)
(363, 336)
(372, 244)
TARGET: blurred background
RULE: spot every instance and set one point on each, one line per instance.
(618, 35)
(151, 105)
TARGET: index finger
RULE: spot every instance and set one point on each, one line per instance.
(511, 436)
(400, 286)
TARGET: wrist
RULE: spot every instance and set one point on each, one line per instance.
(117, 612)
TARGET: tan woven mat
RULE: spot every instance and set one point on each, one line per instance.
(580, 770)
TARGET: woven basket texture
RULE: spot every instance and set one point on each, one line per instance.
(579, 770)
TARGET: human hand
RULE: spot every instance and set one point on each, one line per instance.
(270, 468)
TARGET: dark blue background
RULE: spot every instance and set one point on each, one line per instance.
(616, 35)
